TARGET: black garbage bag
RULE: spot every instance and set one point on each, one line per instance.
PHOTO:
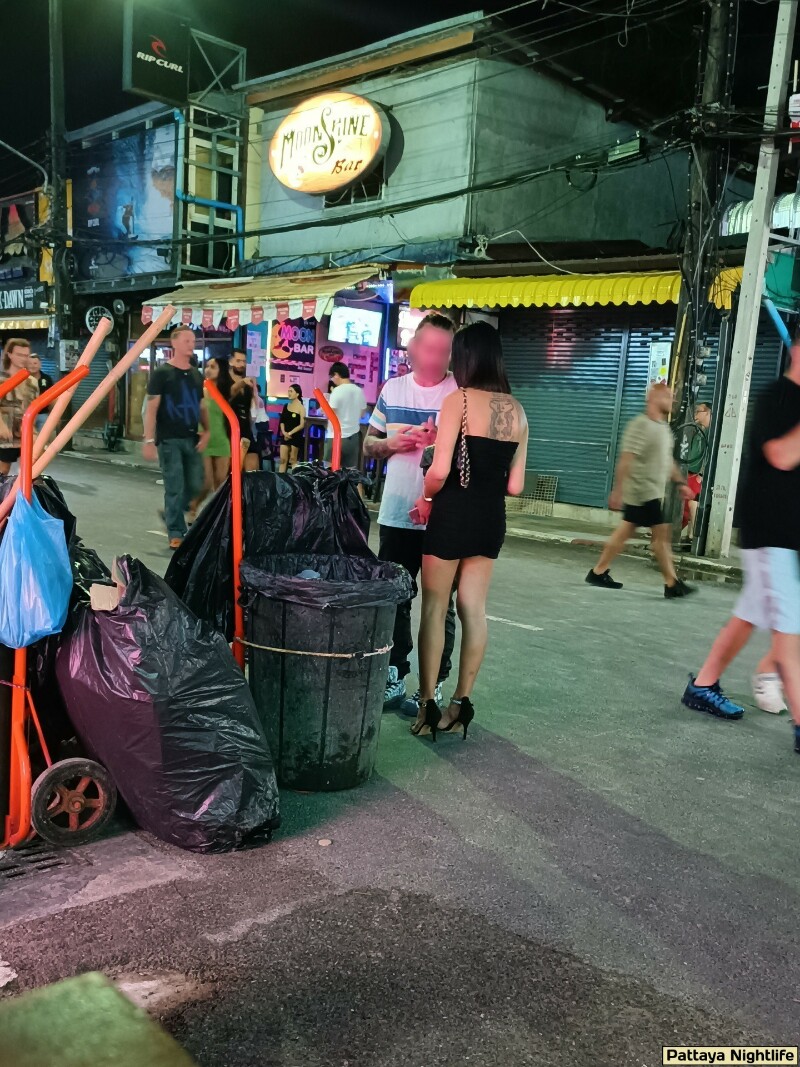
(311, 510)
(158, 699)
(343, 582)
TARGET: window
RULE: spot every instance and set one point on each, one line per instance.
(370, 187)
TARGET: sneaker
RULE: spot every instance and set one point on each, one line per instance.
(768, 693)
(410, 705)
(711, 699)
(602, 581)
(679, 589)
(175, 543)
(395, 692)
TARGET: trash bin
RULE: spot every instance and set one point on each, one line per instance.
(319, 653)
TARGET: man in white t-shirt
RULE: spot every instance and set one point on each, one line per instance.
(349, 403)
(402, 425)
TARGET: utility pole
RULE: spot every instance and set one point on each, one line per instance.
(702, 198)
(58, 205)
(729, 457)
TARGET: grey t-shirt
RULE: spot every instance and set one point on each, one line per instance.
(651, 444)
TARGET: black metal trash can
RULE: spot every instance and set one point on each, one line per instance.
(318, 658)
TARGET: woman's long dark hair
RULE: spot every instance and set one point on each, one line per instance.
(225, 378)
(478, 359)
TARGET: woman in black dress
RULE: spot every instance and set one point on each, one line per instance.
(479, 459)
(290, 428)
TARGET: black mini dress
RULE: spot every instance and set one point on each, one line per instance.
(471, 521)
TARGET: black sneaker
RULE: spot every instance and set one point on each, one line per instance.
(602, 581)
(679, 589)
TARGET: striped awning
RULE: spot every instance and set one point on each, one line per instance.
(242, 301)
(563, 290)
(785, 215)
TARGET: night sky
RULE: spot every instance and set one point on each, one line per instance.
(655, 64)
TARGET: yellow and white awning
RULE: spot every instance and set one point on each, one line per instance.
(567, 290)
(242, 301)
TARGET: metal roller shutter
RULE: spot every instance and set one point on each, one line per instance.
(644, 328)
(564, 367)
(97, 371)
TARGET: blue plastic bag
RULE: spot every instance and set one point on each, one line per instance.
(35, 575)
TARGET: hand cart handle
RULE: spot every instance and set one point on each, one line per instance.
(237, 527)
(336, 426)
(44, 400)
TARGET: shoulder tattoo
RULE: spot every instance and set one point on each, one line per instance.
(501, 421)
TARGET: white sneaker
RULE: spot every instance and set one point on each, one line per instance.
(768, 693)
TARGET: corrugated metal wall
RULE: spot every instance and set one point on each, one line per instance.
(581, 375)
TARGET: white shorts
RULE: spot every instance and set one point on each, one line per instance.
(770, 598)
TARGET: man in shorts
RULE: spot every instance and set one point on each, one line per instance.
(769, 526)
(645, 466)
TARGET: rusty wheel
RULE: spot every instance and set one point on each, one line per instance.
(72, 802)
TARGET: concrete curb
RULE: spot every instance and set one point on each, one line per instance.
(696, 567)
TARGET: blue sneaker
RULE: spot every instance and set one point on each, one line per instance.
(797, 739)
(410, 706)
(711, 699)
(395, 692)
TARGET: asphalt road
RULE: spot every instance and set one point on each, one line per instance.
(595, 873)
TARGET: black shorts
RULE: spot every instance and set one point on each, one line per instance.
(9, 455)
(649, 514)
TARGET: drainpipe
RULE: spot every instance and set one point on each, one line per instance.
(201, 201)
(780, 325)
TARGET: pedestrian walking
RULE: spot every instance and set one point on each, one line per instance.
(645, 466)
(479, 457)
(262, 429)
(43, 382)
(175, 411)
(695, 464)
(769, 527)
(290, 426)
(16, 357)
(242, 397)
(402, 425)
(350, 404)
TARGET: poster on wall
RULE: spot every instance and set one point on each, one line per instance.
(660, 353)
(123, 205)
(293, 344)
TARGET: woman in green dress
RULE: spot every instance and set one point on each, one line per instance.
(217, 456)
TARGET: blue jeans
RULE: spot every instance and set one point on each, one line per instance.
(182, 467)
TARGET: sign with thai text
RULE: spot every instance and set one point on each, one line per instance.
(328, 142)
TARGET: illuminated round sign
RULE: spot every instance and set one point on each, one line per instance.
(328, 142)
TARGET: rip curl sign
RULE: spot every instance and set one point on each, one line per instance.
(328, 142)
(155, 54)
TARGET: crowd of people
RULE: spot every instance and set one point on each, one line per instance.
(454, 443)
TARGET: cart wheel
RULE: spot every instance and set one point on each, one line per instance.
(72, 802)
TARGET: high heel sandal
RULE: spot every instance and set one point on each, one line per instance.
(431, 721)
(466, 713)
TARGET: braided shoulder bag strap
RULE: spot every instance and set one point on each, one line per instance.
(463, 455)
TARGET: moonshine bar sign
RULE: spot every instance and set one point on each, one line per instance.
(328, 142)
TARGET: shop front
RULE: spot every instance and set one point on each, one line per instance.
(292, 327)
(25, 312)
(581, 352)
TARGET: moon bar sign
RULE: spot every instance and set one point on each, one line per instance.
(328, 142)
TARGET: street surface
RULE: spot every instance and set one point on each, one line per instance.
(596, 872)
